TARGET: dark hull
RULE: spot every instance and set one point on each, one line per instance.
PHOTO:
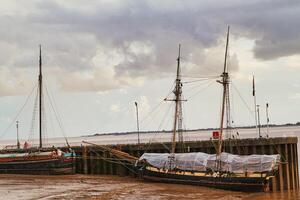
(256, 184)
(53, 166)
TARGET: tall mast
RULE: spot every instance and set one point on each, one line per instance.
(40, 96)
(177, 91)
(224, 82)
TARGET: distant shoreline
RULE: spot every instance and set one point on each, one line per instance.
(190, 130)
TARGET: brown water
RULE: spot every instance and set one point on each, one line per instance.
(111, 187)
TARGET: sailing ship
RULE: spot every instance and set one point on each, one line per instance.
(41, 160)
(221, 170)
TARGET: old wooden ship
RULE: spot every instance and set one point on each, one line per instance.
(39, 160)
(220, 170)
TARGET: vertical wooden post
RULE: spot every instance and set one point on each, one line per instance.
(246, 150)
(84, 159)
(263, 149)
(109, 164)
(104, 163)
(280, 170)
(296, 165)
(92, 162)
(292, 166)
(275, 178)
(99, 164)
(78, 160)
(287, 171)
(254, 149)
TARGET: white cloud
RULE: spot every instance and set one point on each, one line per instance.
(115, 108)
(295, 96)
(15, 82)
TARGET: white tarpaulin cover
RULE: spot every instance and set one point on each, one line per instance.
(199, 161)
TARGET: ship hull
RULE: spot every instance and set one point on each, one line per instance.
(253, 184)
(38, 165)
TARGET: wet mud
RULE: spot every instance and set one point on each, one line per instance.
(75, 187)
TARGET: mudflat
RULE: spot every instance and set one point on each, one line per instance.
(29, 187)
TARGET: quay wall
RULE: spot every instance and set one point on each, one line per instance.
(93, 160)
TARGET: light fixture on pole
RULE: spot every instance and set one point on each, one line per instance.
(137, 122)
(18, 141)
(258, 118)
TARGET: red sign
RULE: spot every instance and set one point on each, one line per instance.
(216, 134)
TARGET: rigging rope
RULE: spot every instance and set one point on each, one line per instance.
(203, 77)
(243, 100)
(33, 119)
(151, 140)
(53, 106)
(201, 89)
(186, 82)
(22, 108)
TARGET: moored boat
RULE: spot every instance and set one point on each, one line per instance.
(48, 163)
(41, 160)
(242, 173)
(219, 170)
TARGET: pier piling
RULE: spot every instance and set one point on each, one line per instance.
(96, 161)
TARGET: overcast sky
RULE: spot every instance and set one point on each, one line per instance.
(99, 57)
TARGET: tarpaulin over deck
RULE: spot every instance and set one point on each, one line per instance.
(199, 161)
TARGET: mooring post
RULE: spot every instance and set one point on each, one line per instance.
(274, 179)
(254, 149)
(287, 171)
(99, 164)
(296, 165)
(84, 159)
(78, 161)
(292, 167)
(92, 162)
(105, 163)
(280, 170)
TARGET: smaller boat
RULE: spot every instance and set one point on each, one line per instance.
(40, 160)
(49, 162)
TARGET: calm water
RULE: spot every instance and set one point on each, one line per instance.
(284, 131)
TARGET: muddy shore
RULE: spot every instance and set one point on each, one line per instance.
(76, 187)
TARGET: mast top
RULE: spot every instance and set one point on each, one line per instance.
(40, 96)
(178, 62)
(226, 51)
(40, 59)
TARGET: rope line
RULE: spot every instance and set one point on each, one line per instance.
(22, 108)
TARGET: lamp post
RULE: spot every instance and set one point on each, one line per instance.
(137, 122)
(18, 141)
(258, 118)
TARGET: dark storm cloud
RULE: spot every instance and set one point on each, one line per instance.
(145, 33)
(275, 25)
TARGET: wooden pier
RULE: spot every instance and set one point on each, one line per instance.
(92, 160)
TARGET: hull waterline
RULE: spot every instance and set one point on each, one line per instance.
(248, 184)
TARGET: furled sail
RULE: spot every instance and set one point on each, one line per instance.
(199, 161)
